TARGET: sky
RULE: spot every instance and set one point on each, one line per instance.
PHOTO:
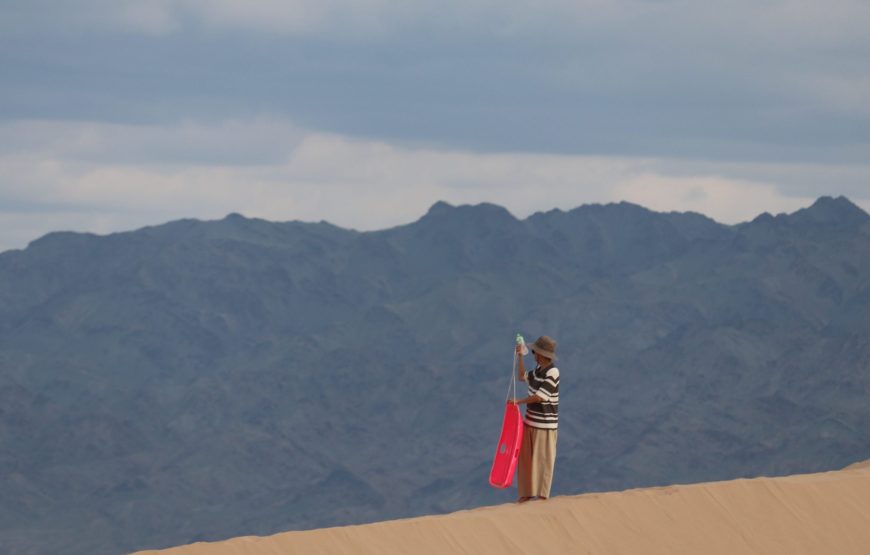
(117, 114)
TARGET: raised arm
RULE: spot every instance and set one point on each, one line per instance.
(521, 365)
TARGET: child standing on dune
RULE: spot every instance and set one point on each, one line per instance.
(540, 426)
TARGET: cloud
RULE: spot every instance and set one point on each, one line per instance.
(362, 18)
(154, 17)
(59, 178)
(663, 78)
(833, 21)
(797, 23)
(261, 139)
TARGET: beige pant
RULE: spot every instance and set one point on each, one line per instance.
(537, 457)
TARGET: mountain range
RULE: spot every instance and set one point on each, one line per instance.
(200, 380)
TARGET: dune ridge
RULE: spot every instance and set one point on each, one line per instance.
(821, 513)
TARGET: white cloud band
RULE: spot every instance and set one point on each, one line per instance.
(67, 175)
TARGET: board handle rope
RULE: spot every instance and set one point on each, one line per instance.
(512, 385)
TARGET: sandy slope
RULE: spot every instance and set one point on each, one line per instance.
(827, 513)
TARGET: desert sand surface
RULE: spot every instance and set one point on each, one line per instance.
(826, 513)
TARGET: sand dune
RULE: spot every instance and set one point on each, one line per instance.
(826, 513)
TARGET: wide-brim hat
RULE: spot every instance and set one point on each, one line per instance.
(544, 346)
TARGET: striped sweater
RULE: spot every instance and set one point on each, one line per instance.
(543, 382)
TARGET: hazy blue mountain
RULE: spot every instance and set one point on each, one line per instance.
(202, 380)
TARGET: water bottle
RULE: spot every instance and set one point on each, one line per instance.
(521, 341)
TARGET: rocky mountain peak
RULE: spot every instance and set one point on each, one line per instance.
(442, 213)
(831, 211)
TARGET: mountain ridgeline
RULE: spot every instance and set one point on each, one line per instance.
(203, 380)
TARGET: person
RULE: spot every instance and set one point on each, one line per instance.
(537, 456)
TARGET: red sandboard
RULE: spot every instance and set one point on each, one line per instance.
(508, 450)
